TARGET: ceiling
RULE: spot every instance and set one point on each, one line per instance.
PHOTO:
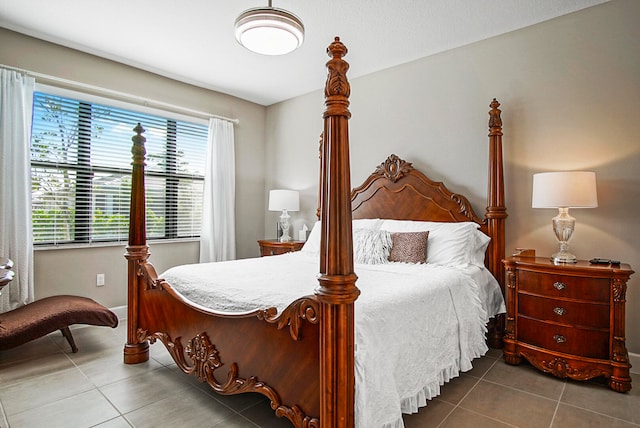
(193, 41)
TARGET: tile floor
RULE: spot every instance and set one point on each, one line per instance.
(42, 384)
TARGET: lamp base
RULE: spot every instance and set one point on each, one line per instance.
(563, 257)
(563, 225)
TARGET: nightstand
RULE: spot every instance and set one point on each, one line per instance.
(272, 247)
(568, 319)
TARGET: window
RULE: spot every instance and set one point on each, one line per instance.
(81, 172)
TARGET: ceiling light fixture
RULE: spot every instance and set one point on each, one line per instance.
(269, 30)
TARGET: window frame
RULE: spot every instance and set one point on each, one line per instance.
(171, 175)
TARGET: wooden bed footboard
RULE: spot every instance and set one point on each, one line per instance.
(262, 351)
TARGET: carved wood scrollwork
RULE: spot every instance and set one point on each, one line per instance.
(150, 277)
(619, 290)
(305, 308)
(465, 206)
(620, 354)
(511, 279)
(394, 168)
(205, 359)
(559, 367)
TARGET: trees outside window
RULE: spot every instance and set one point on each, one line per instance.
(81, 168)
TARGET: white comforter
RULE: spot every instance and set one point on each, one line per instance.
(417, 326)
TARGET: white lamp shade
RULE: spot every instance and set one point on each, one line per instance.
(281, 199)
(571, 189)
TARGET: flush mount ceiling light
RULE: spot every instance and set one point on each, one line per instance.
(269, 30)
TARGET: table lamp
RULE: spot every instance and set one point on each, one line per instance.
(285, 200)
(564, 190)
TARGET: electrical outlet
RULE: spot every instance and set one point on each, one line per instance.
(100, 280)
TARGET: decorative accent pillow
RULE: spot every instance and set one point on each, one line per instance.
(371, 246)
(409, 247)
(312, 246)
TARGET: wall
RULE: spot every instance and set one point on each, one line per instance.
(73, 271)
(570, 95)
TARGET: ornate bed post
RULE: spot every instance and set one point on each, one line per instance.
(337, 291)
(496, 213)
(137, 251)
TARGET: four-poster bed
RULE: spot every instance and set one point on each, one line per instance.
(301, 354)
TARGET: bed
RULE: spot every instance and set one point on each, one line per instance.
(307, 341)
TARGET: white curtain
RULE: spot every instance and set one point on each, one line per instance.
(16, 243)
(218, 234)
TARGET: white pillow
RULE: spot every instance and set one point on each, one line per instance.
(449, 244)
(371, 246)
(312, 246)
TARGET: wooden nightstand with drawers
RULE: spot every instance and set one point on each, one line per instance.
(568, 319)
(273, 247)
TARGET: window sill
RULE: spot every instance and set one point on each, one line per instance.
(109, 244)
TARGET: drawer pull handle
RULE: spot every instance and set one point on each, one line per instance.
(559, 338)
(559, 311)
(559, 285)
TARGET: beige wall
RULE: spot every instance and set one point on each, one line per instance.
(74, 271)
(570, 93)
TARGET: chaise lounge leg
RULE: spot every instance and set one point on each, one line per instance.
(67, 335)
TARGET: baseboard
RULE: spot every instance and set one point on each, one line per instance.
(634, 359)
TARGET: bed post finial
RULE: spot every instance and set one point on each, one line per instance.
(337, 289)
(496, 213)
(337, 88)
(495, 121)
(137, 251)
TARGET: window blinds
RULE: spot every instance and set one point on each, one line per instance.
(81, 172)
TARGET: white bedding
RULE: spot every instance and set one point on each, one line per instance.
(417, 326)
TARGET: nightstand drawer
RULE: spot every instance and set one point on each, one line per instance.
(580, 314)
(564, 286)
(568, 340)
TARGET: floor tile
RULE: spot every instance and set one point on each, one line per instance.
(570, 416)
(104, 371)
(430, 416)
(38, 392)
(34, 349)
(82, 410)
(187, 407)
(456, 389)
(461, 418)
(119, 422)
(526, 378)
(600, 399)
(264, 416)
(239, 402)
(23, 370)
(44, 381)
(510, 405)
(133, 393)
(481, 366)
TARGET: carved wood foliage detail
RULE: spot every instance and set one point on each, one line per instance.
(465, 205)
(562, 368)
(305, 308)
(619, 290)
(495, 122)
(150, 277)
(511, 279)
(394, 168)
(620, 354)
(337, 83)
(201, 358)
